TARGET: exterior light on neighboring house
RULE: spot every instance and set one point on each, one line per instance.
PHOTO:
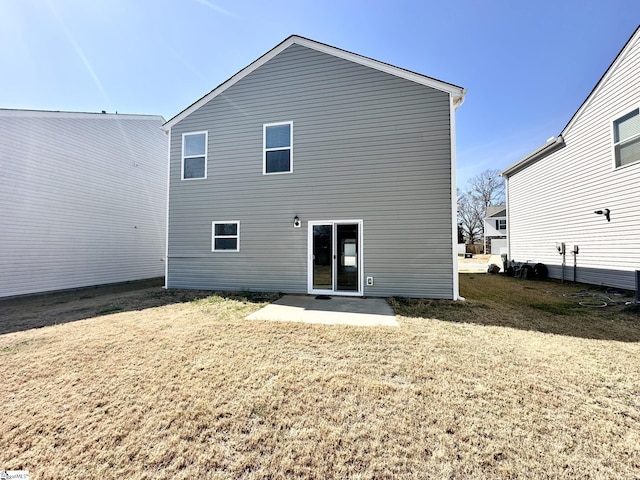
(606, 212)
(296, 222)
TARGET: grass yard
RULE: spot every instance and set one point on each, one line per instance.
(518, 382)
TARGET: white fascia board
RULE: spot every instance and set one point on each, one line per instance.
(557, 142)
(457, 93)
(550, 146)
(620, 58)
(228, 83)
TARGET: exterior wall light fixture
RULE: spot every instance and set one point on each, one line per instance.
(606, 212)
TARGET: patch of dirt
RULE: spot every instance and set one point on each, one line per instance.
(36, 311)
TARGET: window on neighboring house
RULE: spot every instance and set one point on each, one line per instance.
(226, 237)
(194, 155)
(278, 149)
(501, 224)
(626, 138)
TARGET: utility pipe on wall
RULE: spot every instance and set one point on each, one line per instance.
(560, 247)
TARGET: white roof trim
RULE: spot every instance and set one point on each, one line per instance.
(61, 114)
(456, 92)
(555, 143)
(621, 57)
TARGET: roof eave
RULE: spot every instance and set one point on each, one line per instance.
(558, 142)
(458, 99)
(553, 144)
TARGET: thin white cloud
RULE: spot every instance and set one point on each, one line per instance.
(79, 52)
(216, 8)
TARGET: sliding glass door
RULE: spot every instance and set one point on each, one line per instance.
(323, 257)
(335, 257)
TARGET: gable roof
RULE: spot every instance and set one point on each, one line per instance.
(455, 91)
(555, 143)
(496, 211)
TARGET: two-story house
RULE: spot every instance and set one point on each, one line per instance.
(316, 170)
(495, 230)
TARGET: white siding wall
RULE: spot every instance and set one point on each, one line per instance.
(490, 229)
(554, 199)
(83, 199)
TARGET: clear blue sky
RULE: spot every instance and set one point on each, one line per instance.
(527, 65)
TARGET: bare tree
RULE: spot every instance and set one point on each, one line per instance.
(487, 188)
(483, 190)
(470, 217)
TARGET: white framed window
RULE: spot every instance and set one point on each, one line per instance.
(225, 236)
(626, 138)
(194, 155)
(501, 224)
(278, 148)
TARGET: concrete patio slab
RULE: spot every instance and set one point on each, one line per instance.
(365, 312)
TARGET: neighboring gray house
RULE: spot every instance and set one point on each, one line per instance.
(83, 199)
(494, 227)
(582, 188)
(316, 170)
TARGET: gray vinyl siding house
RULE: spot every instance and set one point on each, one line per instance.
(592, 166)
(83, 199)
(316, 170)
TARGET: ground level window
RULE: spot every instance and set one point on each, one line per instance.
(626, 138)
(226, 237)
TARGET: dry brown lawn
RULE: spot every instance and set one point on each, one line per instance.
(518, 382)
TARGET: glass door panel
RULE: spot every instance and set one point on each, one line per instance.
(347, 258)
(323, 257)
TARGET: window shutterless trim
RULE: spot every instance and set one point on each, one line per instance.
(265, 149)
(183, 156)
(214, 236)
(614, 144)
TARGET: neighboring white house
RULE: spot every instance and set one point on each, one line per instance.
(581, 189)
(495, 230)
(82, 199)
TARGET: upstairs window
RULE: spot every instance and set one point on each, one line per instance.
(226, 237)
(501, 224)
(194, 155)
(278, 148)
(626, 138)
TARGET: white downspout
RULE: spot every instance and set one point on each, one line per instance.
(454, 199)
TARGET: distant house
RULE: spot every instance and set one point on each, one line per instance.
(580, 191)
(495, 230)
(83, 199)
(316, 170)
